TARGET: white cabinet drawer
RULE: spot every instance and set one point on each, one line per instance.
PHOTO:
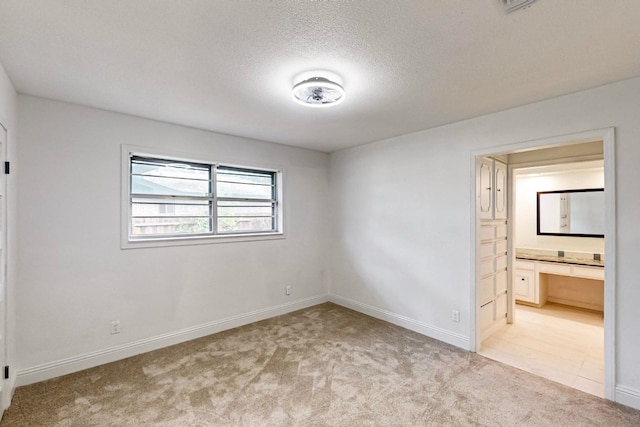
(589, 272)
(563, 269)
(486, 267)
(487, 232)
(486, 250)
(525, 265)
(487, 315)
(486, 290)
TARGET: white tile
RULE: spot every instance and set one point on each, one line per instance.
(592, 371)
(559, 343)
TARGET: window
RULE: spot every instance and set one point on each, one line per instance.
(176, 199)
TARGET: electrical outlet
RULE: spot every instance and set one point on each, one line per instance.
(455, 315)
(115, 327)
(288, 290)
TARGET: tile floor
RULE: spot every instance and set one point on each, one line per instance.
(559, 343)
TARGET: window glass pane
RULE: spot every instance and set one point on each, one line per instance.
(241, 208)
(150, 176)
(245, 224)
(176, 169)
(166, 226)
(151, 208)
(244, 191)
(245, 176)
(141, 184)
(251, 210)
(244, 184)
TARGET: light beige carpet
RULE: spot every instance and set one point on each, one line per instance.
(323, 366)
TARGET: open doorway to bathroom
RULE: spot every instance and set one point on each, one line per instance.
(559, 315)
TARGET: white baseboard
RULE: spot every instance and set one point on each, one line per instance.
(628, 396)
(623, 395)
(414, 325)
(88, 360)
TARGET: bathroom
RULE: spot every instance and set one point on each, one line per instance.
(557, 275)
(559, 218)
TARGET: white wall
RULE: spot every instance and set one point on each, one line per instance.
(402, 215)
(74, 277)
(527, 186)
(8, 118)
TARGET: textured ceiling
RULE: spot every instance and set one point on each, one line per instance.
(229, 65)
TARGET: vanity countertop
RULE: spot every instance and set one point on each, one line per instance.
(565, 260)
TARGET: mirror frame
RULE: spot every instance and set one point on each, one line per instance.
(586, 190)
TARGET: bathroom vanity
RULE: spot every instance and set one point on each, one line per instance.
(571, 280)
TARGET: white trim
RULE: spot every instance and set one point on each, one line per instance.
(607, 136)
(537, 144)
(162, 242)
(88, 360)
(511, 245)
(608, 139)
(628, 396)
(572, 159)
(474, 331)
(435, 332)
(8, 388)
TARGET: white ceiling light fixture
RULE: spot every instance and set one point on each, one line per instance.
(317, 92)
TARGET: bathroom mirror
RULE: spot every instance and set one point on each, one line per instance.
(577, 213)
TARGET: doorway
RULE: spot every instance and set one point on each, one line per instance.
(570, 148)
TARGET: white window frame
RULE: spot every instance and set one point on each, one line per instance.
(128, 241)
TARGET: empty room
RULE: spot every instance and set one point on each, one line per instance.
(319, 212)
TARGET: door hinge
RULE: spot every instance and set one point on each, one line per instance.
(6, 372)
(7, 168)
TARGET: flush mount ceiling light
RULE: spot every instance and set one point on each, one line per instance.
(318, 92)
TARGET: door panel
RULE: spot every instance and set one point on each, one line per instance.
(486, 193)
(501, 191)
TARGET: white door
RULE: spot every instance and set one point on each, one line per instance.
(485, 178)
(500, 186)
(4, 396)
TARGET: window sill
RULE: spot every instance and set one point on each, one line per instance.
(198, 240)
